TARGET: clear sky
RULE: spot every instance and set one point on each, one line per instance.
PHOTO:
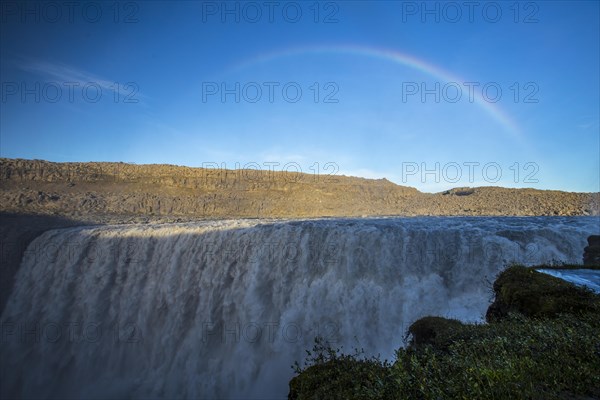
(431, 95)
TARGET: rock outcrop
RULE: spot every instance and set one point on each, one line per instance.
(591, 254)
(436, 331)
(533, 294)
(109, 191)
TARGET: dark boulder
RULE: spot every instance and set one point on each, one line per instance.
(591, 254)
(436, 331)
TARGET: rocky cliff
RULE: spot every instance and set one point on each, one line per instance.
(119, 190)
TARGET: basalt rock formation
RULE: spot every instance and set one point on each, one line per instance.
(591, 254)
(128, 192)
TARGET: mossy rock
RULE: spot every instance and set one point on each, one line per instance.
(534, 294)
(436, 331)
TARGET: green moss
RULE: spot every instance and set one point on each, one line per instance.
(329, 374)
(534, 294)
(344, 379)
(516, 358)
(544, 345)
(436, 331)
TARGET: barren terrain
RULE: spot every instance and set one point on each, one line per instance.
(120, 192)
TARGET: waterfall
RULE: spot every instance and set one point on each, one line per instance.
(223, 308)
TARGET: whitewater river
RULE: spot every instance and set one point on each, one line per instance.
(223, 309)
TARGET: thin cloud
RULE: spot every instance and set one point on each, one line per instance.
(72, 75)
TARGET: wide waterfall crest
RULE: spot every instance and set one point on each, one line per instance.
(223, 308)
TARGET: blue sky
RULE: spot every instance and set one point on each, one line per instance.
(431, 95)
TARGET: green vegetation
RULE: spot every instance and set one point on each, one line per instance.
(533, 294)
(330, 374)
(542, 342)
(436, 331)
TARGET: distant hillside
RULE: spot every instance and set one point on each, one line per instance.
(123, 191)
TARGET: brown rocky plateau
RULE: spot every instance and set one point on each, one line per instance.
(120, 192)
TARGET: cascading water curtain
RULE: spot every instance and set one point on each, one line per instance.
(222, 309)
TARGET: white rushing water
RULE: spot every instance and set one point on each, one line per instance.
(222, 309)
(580, 277)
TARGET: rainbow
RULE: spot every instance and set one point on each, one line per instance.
(492, 109)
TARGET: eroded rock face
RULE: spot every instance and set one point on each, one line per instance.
(154, 191)
(591, 254)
